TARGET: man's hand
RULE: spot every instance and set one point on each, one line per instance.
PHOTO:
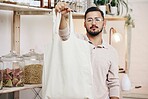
(62, 7)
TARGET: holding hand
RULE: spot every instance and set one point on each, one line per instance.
(62, 7)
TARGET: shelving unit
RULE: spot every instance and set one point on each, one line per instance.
(19, 10)
(14, 7)
(107, 17)
(16, 90)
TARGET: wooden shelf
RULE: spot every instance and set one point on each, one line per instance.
(115, 18)
(78, 15)
(25, 10)
(14, 89)
(107, 17)
(14, 7)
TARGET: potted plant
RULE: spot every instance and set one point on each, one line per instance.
(114, 6)
(122, 7)
(101, 4)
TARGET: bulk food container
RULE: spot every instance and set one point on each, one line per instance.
(13, 74)
(33, 67)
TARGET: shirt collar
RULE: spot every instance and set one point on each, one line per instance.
(103, 45)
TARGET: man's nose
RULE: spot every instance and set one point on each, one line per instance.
(93, 22)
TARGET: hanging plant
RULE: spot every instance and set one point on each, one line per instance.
(122, 9)
(130, 20)
(121, 5)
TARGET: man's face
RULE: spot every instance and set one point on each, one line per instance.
(94, 23)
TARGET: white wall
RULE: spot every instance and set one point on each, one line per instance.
(139, 45)
(35, 32)
(5, 32)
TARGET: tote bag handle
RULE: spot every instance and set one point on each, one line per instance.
(71, 25)
(57, 20)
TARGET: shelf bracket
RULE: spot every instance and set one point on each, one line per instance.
(15, 46)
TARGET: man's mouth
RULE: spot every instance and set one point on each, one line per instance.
(93, 28)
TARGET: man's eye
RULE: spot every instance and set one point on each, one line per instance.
(89, 20)
(98, 19)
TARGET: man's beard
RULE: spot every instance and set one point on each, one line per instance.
(94, 33)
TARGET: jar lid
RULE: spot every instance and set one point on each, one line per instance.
(32, 55)
(12, 56)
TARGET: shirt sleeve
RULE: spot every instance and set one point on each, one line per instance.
(113, 77)
(64, 34)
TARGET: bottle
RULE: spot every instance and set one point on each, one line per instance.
(13, 70)
(33, 67)
(1, 74)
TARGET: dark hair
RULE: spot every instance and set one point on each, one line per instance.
(93, 9)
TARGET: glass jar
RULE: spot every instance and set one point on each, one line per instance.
(33, 67)
(1, 73)
(13, 75)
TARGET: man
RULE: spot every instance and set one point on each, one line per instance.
(104, 56)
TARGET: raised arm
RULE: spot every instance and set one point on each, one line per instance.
(64, 9)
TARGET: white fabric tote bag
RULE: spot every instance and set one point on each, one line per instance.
(67, 71)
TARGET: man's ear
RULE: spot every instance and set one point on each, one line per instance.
(85, 24)
(104, 23)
